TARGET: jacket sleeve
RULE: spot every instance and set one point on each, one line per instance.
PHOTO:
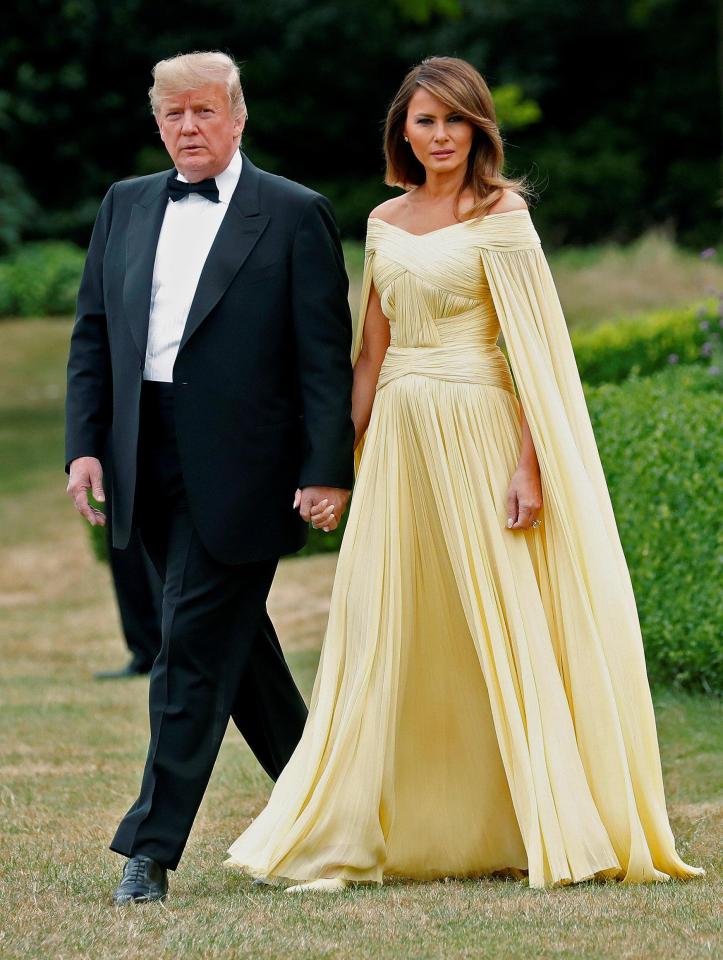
(88, 402)
(323, 330)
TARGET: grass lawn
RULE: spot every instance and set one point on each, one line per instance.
(72, 749)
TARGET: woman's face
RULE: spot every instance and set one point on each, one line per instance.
(440, 138)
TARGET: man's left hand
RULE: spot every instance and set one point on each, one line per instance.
(323, 507)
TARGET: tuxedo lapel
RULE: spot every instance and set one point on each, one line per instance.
(141, 242)
(238, 234)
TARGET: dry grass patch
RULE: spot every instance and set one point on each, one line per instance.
(71, 753)
(610, 281)
(72, 750)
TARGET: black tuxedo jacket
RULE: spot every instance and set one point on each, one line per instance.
(262, 380)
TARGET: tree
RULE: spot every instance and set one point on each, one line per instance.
(614, 115)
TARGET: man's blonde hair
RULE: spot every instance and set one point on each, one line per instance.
(188, 71)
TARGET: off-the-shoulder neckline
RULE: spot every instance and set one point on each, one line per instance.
(459, 223)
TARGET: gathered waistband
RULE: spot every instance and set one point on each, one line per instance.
(465, 363)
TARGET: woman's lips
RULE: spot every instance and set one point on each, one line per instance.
(442, 153)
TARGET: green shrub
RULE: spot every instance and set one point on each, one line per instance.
(320, 542)
(352, 201)
(611, 352)
(40, 279)
(661, 446)
(18, 207)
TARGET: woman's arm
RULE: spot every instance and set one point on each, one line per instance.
(366, 371)
(528, 457)
(524, 493)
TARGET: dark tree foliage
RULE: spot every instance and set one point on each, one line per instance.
(629, 133)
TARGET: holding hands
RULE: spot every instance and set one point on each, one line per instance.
(323, 507)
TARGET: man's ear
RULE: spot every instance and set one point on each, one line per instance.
(160, 128)
(238, 126)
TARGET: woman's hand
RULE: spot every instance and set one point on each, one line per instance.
(323, 507)
(324, 517)
(524, 497)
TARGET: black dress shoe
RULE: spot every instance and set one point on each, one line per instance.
(143, 880)
(131, 669)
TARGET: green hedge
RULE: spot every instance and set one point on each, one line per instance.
(662, 448)
(611, 352)
(40, 279)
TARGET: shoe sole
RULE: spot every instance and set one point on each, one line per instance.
(123, 903)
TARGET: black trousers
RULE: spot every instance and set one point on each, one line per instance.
(138, 591)
(220, 656)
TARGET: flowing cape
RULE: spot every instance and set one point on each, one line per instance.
(602, 665)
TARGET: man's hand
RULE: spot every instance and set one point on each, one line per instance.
(86, 474)
(323, 507)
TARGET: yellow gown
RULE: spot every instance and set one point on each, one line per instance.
(482, 702)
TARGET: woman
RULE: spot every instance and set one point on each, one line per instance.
(482, 703)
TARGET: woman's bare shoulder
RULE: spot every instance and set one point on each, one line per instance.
(389, 210)
(508, 201)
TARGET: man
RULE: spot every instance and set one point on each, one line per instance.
(213, 340)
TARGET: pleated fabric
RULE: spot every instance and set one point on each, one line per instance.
(482, 702)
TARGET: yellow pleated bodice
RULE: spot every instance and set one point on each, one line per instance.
(434, 292)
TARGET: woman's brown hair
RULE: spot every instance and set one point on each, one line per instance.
(457, 84)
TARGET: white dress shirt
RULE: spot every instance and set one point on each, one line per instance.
(189, 228)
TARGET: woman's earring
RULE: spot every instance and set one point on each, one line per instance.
(406, 139)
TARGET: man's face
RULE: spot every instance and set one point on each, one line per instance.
(199, 130)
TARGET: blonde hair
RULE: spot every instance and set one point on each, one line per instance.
(457, 84)
(188, 71)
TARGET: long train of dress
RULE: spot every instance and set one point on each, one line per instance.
(482, 702)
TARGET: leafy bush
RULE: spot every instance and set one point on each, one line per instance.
(661, 446)
(320, 542)
(611, 352)
(40, 279)
(17, 207)
(352, 200)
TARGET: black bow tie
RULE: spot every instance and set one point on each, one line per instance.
(177, 189)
